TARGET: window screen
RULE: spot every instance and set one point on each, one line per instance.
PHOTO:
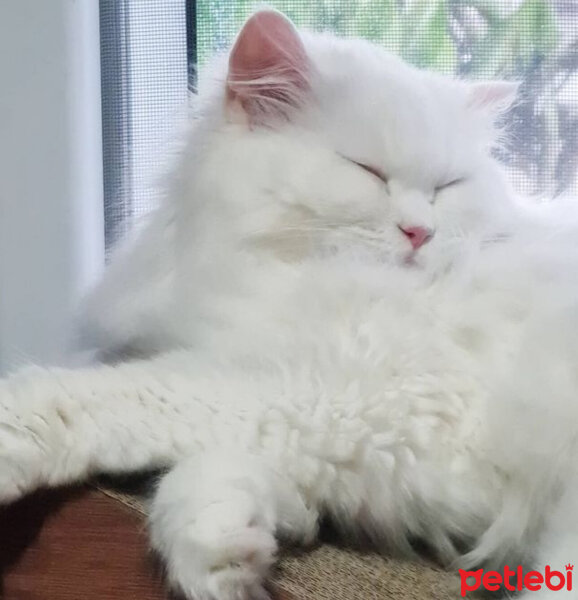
(145, 47)
(150, 51)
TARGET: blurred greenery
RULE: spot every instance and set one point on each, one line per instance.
(478, 39)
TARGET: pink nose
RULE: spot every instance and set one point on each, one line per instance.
(418, 236)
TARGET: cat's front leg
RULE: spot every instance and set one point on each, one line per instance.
(34, 434)
(214, 521)
(59, 426)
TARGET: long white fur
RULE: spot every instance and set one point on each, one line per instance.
(301, 360)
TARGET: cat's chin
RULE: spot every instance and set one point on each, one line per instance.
(412, 260)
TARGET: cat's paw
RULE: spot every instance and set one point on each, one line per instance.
(15, 464)
(21, 454)
(213, 521)
(10, 490)
(238, 563)
(231, 565)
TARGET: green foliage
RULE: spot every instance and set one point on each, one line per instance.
(420, 31)
(427, 41)
(515, 40)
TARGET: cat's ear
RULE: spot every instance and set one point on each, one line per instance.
(268, 68)
(493, 96)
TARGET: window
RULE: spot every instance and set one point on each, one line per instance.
(150, 48)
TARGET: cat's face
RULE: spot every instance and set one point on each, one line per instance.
(334, 145)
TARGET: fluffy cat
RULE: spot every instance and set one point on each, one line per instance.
(343, 312)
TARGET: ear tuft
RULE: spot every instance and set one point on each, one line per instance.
(494, 96)
(268, 67)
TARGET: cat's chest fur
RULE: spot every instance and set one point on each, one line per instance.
(349, 366)
(366, 391)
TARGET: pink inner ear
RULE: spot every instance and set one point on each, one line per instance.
(492, 94)
(268, 60)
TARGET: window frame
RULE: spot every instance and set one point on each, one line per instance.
(51, 221)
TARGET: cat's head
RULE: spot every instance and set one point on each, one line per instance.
(322, 145)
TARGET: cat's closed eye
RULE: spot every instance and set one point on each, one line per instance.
(373, 170)
(449, 184)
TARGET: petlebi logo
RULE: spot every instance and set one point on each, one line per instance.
(516, 580)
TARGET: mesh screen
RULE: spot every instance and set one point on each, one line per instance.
(144, 89)
(146, 58)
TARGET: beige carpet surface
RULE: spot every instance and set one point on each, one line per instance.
(329, 572)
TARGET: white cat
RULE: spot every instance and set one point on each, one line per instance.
(345, 313)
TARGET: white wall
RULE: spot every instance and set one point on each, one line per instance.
(51, 222)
